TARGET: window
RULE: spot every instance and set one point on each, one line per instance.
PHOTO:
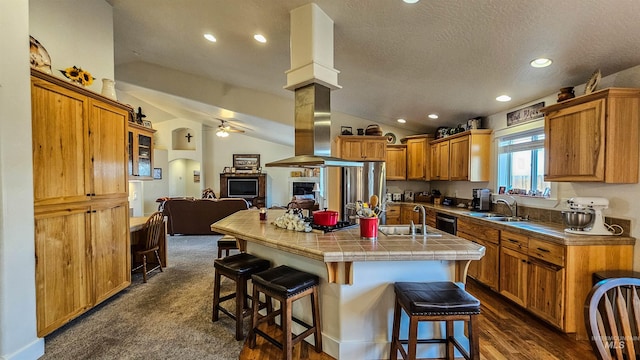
(521, 163)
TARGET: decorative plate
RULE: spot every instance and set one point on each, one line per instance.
(593, 82)
(38, 56)
(391, 138)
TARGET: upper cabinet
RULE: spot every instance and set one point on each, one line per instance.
(461, 157)
(78, 143)
(418, 157)
(361, 148)
(396, 160)
(140, 148)
(593, 137)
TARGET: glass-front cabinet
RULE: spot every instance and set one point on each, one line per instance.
(140, 142)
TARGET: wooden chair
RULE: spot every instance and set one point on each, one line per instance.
(612, 318)
(153, 228)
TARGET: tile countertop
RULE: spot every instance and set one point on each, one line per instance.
(552, 232)
(346, 245)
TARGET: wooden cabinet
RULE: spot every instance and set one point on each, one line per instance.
(593, 137)
(361, 148)
(461, 157)
(396, 162)
(80, 199)
(259, 200)
(439, 162)
(485, 270)
(418, 157)
(407, 215)
(532, 275)
(140, 152)
(393, 214)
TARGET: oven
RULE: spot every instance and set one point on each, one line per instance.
(446, 223)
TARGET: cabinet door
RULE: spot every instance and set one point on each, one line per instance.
(417, 159)
(407, 215)
(396, 160)
(374, 150)
(393, 214)
(545, 295)
(443, 160)
(351, 149)
(63, 260)
(434, 162)
(111, 249)
(488, 265)
(574, 143)
(513, 275)
(59, 146)
(459, 158)
(107, 144)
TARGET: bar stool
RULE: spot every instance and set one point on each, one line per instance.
(239, 268)
(434, 301)
(226, 243)
(286, 285)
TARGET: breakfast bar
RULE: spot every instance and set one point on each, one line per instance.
(357, 275)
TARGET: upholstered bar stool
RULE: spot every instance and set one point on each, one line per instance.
(226, 244)
(286, 285)
(239, 268)
(434, 301)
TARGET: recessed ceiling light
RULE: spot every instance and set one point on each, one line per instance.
(411, 1)
(402, 121)
(260, 38)
(210, 37)
(504, 98)
(541, 62)
(433, 116)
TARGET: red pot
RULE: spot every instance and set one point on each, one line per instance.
(325, 217)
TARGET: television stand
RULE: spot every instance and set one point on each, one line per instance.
(257, 201)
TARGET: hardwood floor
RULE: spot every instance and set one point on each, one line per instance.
(506, 333)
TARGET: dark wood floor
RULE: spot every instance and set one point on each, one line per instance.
(506, 333)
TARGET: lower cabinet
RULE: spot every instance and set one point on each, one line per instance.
(82, 258)
(528, 278)
(393, 214)
(485, 270)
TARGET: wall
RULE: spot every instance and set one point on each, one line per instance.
(18, 338)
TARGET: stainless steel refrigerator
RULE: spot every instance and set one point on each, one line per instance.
(359, 183)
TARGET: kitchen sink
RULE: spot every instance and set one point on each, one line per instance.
(506, 218)
(483, 214)
(404, 230)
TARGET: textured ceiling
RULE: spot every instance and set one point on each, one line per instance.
(395, 60)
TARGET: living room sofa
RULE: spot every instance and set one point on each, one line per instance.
(192, 216)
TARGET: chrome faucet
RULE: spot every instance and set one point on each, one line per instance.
(424, 218)
(513, 206)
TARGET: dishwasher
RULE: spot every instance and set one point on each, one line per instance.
(446, 223)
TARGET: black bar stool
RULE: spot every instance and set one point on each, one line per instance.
(286, 285)
(239, 268)
(434, 301)
(226, 244)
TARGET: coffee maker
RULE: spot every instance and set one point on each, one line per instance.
(481, 200)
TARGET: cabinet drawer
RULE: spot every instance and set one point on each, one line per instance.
(480, 231)
(393, 210)
(546, 251)
(514, 241)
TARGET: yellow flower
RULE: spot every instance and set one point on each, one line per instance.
(78, 75)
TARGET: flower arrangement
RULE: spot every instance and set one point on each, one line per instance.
(78, 75)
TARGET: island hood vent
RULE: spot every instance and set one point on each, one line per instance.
(312, 77)
(312, 130)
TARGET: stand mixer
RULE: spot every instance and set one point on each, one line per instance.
(585, 216)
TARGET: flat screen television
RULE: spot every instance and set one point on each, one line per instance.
(243, 188)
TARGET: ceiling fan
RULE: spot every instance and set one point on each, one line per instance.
(224, 129)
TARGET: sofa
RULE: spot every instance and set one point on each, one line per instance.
(192, 216)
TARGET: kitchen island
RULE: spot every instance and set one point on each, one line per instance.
(357, 276)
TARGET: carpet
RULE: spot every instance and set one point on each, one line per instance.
(169, 317)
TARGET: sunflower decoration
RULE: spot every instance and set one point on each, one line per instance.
(78, 75)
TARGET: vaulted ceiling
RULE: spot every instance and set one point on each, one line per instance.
(396, 60)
